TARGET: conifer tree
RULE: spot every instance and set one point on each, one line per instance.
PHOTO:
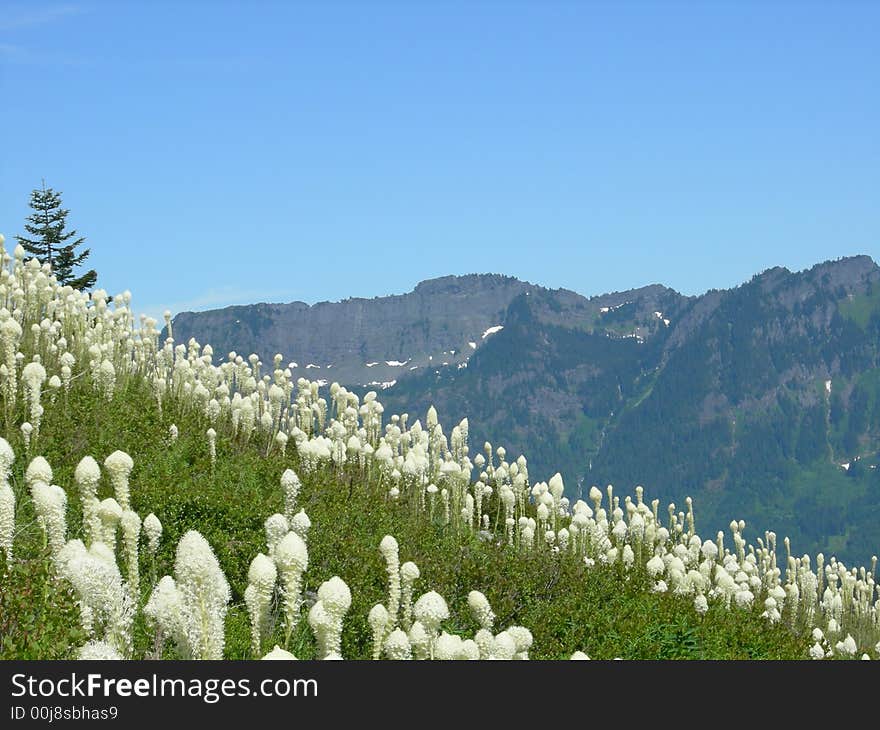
(49, 242)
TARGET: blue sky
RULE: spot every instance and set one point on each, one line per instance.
(218, 153)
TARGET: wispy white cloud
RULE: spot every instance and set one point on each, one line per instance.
(28, 17)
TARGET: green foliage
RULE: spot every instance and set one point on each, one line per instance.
(566, 605)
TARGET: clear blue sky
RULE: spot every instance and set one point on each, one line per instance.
(218, 153)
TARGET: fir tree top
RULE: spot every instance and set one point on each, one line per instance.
(49, 242)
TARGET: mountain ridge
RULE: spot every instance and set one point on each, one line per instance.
(750, 399)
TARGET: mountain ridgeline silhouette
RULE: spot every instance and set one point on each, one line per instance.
(761, 402)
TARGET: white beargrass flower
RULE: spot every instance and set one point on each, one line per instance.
(262, 575)
(38, 471)
(701, 605)
(212, 445)
(50, 504)
(335, 596)
(87, 476)
(397, 646)
(131, 531)
(278, 653)
(292, 558)
(659, 587)
(164, 610)
(172, 433)
(204, 596)
(321, 623)
(153, 531)
(419, 640)
(409, 574)
(106, 378)
(481, 610)
(485, 641)
(505, 646)
(109, 513)
(105, 606)
(119, 466)
(389, 549)
(579, 656)
(98, 651)
(300, 524)
(378, 620)
(447, 647)
(276, 527)
(744, 598)
(847, 647)
(291, 485)
(430, 610)
(7, 459)
(523, 640)
(7, 518)
(816, 651)
(655, 566)
(34, 375)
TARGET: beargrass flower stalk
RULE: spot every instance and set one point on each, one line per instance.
(34, 375)
(397, 646)
(262, 576)
(291, 485)
(292, 559)
(846, 648)
(378, 620)
(98, 651)
(522, 639)
(431, 491)
(7, 518)
(389, 549)
(7, 499)
(212, 445)
(164, 611)
(153, 531)
(300, 524)
(131, 531)
(105, 379)
(50, 504)
(321, 624)
(276, 527)
(105, 606)
(419, 640)
(10, 334)
(481, 610)
(278, 653)
(87, 476)
(118, 466)
(26, 430)
(335, 597)
(172, 433)
(204, 595)
(505, 647)
(409, 574)
(109, 513)
(430, 611)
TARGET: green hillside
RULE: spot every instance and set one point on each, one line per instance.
(209, 448)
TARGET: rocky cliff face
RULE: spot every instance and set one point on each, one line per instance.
(364, 341)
